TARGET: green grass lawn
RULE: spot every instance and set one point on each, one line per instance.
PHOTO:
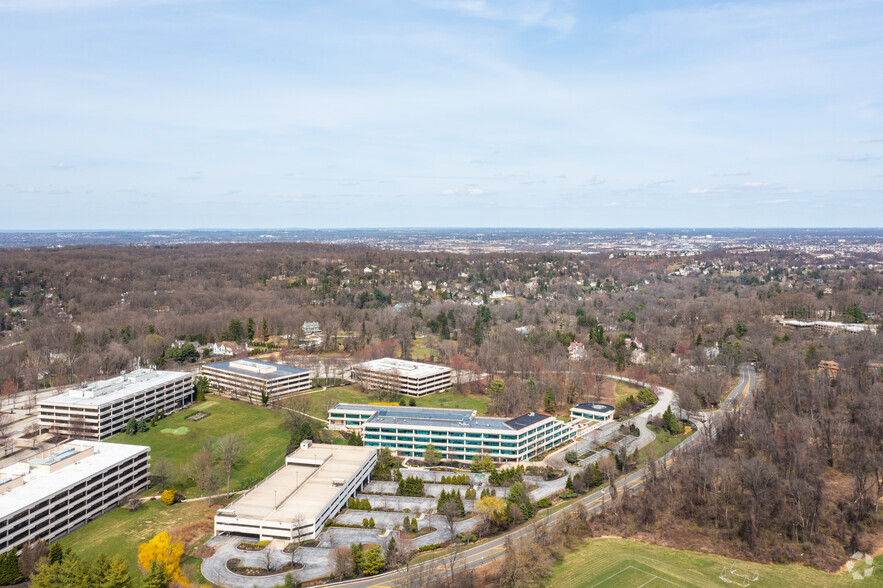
(663, 443)
(261, 428)
(628, 564)
(320, 402)
(624, 389)
(451, 399)
(120, 531)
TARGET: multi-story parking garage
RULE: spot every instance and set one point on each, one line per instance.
(254, 378)
(50, 495)
(101, 409)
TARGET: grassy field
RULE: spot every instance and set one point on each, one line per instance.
(320, 402)
(663, 443)
(451, 399)
(120, 531)
(260, 427)
(606, 563)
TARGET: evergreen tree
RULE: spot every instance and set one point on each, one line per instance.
(131, 426)
(391, 549)
(157, 577)
(249, 329)
(9, 571)
(569, 484)
(265, 329)
(373, 562)
(56, 553)
(358, 557)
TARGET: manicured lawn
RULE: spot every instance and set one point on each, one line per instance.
(628, 564)
(120, 531)
(451, 399)
(260, 427)
(320, 402)
(663, 444)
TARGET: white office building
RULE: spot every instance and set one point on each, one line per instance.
(404, 377)
(50, 495)
(101, 409)
(458, 434)
(294, 502)
(592, 411)
(253, 378)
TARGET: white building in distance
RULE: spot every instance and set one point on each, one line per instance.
(404, 377)
(50, 495)
(252, 378)
(101, 409)
(294, 502)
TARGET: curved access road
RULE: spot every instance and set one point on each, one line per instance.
(737, 401)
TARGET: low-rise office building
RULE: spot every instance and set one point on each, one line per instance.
(294, 502)
(458, 434)
(52, 494)
(254, 378)
(404, 377)
(593, 411)
(101, 409)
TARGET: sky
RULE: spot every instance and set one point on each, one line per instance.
(175, 114)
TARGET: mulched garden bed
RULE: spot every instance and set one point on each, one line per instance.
(233, 566)
(252, 547)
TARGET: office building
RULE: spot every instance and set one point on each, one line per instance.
(593, 411)
(254, 379)
(404, 377)
(101, 409)
(458, 434)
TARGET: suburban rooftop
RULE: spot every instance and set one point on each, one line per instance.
(414, 369)
(255, 368)
(40, 483)
(300, 490)
(441, 417)
(109, 391)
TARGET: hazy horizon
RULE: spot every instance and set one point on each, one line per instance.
(169, 114)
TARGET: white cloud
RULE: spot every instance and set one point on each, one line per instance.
(476, 191)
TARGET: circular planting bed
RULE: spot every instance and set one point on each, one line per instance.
(252, 572)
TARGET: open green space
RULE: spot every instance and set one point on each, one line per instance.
(628, 564)
(452, 399)
(119, 532)
(663, 443)
(261, 428)
(624, 389)
(320, 402)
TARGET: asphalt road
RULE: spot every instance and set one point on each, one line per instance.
(737, 401)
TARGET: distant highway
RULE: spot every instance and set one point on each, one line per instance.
(737, 401)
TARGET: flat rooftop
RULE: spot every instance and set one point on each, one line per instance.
(39, 485)
(595, 407)
(441, 417)
(254, 368)
(414, 369)
(114, 389)
(300, 490)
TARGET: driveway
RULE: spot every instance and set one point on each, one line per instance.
(317, 563)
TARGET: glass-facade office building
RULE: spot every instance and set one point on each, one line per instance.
(457, 434)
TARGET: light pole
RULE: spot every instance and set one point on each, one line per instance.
(274, 499)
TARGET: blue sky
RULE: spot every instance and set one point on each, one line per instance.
(140, 114)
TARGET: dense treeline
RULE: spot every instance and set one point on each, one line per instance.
(797, 478)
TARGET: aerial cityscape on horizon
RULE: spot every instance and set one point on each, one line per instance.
(441, 294)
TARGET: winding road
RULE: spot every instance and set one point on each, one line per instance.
(737, 401)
